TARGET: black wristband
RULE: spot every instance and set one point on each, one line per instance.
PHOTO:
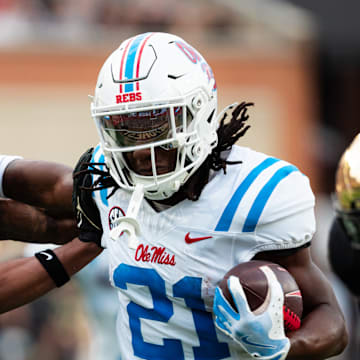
(53, 267)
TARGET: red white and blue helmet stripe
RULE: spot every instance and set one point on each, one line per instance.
(130, 61)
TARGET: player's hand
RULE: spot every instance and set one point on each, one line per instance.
(87, 213)
(262, 335)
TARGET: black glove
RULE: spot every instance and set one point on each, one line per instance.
(87, 213)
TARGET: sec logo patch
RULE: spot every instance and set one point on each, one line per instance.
(115, 214)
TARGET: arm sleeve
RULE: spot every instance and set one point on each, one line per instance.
(5, 160)
(344, 260)
(288, 220)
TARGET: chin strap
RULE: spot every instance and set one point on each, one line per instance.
(129, 223)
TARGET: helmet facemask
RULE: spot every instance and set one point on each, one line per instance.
(173, 129)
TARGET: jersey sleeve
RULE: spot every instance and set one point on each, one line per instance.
(5, 160)
(288, 219)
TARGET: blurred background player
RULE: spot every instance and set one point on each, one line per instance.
(101, 307)
(163, 161)
(344, 237)
(344, 242)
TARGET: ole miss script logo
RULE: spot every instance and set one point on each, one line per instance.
(154, 254)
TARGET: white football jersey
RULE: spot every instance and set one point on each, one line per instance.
(166, 284)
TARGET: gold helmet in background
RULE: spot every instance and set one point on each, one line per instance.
(348, 191)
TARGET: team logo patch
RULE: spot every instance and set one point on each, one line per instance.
(154, 254)
(115, 214)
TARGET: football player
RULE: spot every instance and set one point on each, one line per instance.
(344, 239)
(180, 205)
(35, 205)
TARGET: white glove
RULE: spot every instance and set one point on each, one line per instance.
(262, 335)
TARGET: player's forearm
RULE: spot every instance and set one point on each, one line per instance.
(24, 280)
(76, 254)
(19, 221)
(322, 335)
(39, 183)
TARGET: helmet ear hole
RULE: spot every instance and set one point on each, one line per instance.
(197, 102)
(196, 151)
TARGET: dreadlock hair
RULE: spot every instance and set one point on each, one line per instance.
(228, 133)
(104, 180)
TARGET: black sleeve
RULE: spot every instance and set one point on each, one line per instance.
(344, 260)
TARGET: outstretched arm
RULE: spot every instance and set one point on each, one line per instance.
(24, 280)
(19, 221)
(322, 333)
(39, 183)
(39, 207)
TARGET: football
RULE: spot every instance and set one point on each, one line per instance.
(255, 285)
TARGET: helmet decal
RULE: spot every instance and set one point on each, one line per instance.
(195, 58)
(130, 62)
(189, 51)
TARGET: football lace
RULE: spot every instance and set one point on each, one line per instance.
(291, 320)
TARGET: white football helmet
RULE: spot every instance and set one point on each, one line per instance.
(154, 91)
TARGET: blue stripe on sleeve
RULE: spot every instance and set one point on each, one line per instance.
(264, 195)
(95, 152)
(103, 192)
(92, 161)
(130, 61)
(229, 212)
